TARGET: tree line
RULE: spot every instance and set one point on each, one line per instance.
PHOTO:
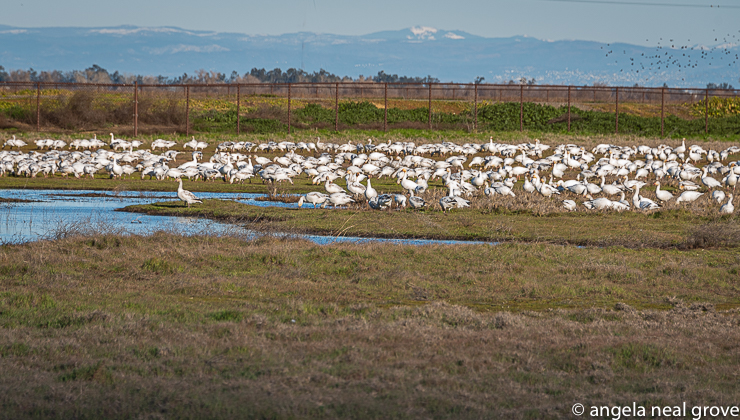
(97, 74)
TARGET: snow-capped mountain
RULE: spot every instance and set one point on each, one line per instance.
(419, 51)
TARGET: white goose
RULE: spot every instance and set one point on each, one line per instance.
(417, 202)
(370, 192)
(718, 196)
(340, 199)
(407, 184)
(642, 202)
(709, 181)
(609, 189)
(569, 205)
(332, 188)
(186, 195)
(314, 198)
(451, 202)
(688, 196)
(727, 208)
(662, 195)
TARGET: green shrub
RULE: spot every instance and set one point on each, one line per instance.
(717, 107)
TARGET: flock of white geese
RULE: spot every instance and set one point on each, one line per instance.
(567, 172)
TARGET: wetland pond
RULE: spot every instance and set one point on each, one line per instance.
(30, 215)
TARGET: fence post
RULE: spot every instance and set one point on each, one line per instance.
(38, 106)
(289, 108)
(662, 111)
(569, 109)
(706, 111)
(336, 107)
(136, 108)
(616, 121)
(238, 103)
(385, 108)
(521, 107)
(475, 110)
(430, 105)
(187, 111)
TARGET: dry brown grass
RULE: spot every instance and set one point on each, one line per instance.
(166, 326)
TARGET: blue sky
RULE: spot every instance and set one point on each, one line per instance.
(688, 22)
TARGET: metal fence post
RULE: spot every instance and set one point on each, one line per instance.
(662, 111)
(706, 111)
(38, 106)
(238, 103)
(521, 107)
(385, 107)
(616, 120)
(136, 108)
(288, 108)
(475, 110)
(430, 105)
(569, 109)
(187, 111)
(336, 107)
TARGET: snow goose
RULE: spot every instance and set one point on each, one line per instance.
(662, 195)
(569, 205)
(332, 188)
(356, 188)
(400, 200)
(609, 189)
(727, 208)
(370, 192)
(600, 203)
(417, 202)
(643, 203)
(688, 196)
(407, 184)
(718, 196)
(340, 199)
(186, 195)
(314, 198)
(708, 180)
(451, 202)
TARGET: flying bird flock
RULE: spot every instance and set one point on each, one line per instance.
(675, 55)
(567, 174)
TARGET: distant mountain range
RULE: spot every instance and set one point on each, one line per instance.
(454, 56)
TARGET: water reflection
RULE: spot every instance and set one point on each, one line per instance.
(49, 214)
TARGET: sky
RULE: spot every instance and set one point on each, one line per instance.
(689, 22)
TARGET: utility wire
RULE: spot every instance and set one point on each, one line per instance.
(643, 3)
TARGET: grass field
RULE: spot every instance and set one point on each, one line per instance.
(597, 308)
(202, 327)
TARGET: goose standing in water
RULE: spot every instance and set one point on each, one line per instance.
(314, 198)
(186, 195)
(340, 199)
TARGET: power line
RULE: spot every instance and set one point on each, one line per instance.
(643, 3)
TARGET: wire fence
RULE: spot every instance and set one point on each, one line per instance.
(265, 107)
